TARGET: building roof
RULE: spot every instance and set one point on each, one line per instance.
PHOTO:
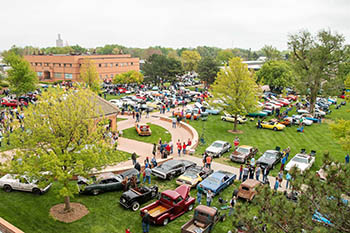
(106, 107)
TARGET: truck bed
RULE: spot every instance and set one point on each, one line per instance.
(157, 211)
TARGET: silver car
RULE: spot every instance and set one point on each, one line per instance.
(218, 148)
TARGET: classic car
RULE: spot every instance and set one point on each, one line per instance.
(310, 117)
(230, 118)
(286, 122)
(213, 111)
(292, 97)
(243, 153)
(271, 125)
(133, 198)
(268, 111)
(143, 129)
(104, 182)
(303, 111)
(204, 220)
(11, 182)
(192, 114)
(218, 148)
(295, 119)
(193, 176)
(172, 168)
(171, 204)
(247, 189)
(302, 161)
(269, 159)
(218, 181)
(12, 103)
(257, 114)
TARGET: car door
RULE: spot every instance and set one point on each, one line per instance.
(226, 147)
(179, 205)
(24, 185)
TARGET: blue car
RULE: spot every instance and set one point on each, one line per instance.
(212, 111)
(218, 181)
(318, 217)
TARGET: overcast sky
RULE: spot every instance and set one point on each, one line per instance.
(176, 23)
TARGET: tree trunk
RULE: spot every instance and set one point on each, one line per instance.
(67, 206)
(235, 124)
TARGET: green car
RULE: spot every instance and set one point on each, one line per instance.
(257, 114)
(105, 182)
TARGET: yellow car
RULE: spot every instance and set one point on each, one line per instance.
(193, 176)
(230, 118)
(271, 125)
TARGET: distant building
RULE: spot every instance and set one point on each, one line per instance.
(59, 41)
(253, 65)
(52, 68)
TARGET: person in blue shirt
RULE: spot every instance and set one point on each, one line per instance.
(288, 178)
(275, 187)
(347, 159)
(199, 193)
(283, 161)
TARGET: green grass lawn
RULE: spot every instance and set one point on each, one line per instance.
(30, 213)
(316, 137)
(121, 119)
(109, 97)
(157, 132)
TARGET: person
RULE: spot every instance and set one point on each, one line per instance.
(133, 181)
(199, 193)
(204, 159)
(137, 166)
(133, 114)
(147, 112)
(288, 178)
(265, 173)
(189, 142)
(133, 158)
(208, 161)
(154, 150)
(148, 172)
(240, 172)
(245, 173)
(209, 197)
(259, 124)
(145, 222)
(127, 230)
(179, 147)
(251, 172)
(125, 183)
(171, 147)
(232, 205)
(257, 172)
(184, 148)
(137, 117)
(252, 162)
(275, 187)
(154, 161)
(174, 123)
(283, 161)
(347, 159)
(236, 142)
(280, 178)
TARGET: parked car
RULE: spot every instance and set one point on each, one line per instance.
(203, 221)
(104, 182)
(243, 153)
(172, 168)
(302, 161)
(303, 111)
(230, 118)
(296, 119)
(143, 129)
(270, 158)
(133, 198)
(257, 114)
(218, 181)
(271, 125)
(12, 103)
(247, 189)
(310, 117)
(218, 148)
(172, 204)
(11, 182)
(116, 102)
(193, 176)
(213, 111)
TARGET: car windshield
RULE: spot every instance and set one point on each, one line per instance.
(191, 174)
(299, 160)
(217, 145)
(243, 150)
(269, 155)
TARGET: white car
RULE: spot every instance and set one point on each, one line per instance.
(116, 102)
(302, 161)
(11, 182)
(319, 112)
(217, 148)
(297, 118)
(303, 111)
(230, 118)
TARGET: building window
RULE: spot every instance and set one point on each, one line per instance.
(116, 64)
(101, 76)
(39, 74)
(99, 65)
(106, 76)
(46, 64)
(111, 75)
(106, 65)
(39, 64)
(57, 75)
(68, 76)
(131, 63)
(70, 65)
(64, 65)
(111, 64)
(121, 64)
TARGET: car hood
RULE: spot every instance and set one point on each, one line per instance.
(265, 160)
(161, 170)
(301, 166)
(210, 185)
(213, 149)
(238, 154)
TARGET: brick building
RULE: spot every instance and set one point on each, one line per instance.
(67, 67)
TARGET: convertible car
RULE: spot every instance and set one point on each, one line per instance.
(230, 118)
(218, 181)
(143, 129)
(133, 198)
(194, 175)
(272, 125)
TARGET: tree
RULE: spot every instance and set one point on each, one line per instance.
(276, 74)
(315, 59)
(173, 54)
(21, 77)
(190, 60)
(90, 76)
(208, 68)
(271, 53)
(131, 76)
(341, 132)
(282, 215)
(235, 89)
(224, 56)
(63, 138)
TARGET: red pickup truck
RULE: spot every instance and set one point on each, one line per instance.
(172, 204)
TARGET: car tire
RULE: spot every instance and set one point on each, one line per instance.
(165, 221)
(7, 188)
(170, 177)
(95, 192)
(36, 191)
(274, 128)
(235, 193)
(223, 119)
(190, 207)
(135, 206)
(153, 194)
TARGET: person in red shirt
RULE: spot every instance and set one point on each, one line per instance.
(208, 161)
(184, 148)
(189, 142)
(179, 147)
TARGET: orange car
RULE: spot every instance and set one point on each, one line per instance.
(143, 130)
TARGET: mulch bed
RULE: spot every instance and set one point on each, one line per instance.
(78, 211)
(235, 132)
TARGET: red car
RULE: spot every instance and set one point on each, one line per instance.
(172, 204)
(121, 90)
(12, 103)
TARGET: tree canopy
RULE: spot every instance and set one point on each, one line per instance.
(131, 76)
(190, 60)
(90, 76)
(271, 53)
(208, 68)
(224, 56)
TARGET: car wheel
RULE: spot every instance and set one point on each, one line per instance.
(275, 129)
(223, 119)
(171, 176)
(95, 192)
(36, 191)
(190, 207)
(153, 194)
(135, 206)
(7, 188)
(165, 222)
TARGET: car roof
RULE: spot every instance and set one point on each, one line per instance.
(245, 146)
(219, 141)
(302, 155)
(220, 174)
(173, 162)
(206, 209)
(251, 183)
